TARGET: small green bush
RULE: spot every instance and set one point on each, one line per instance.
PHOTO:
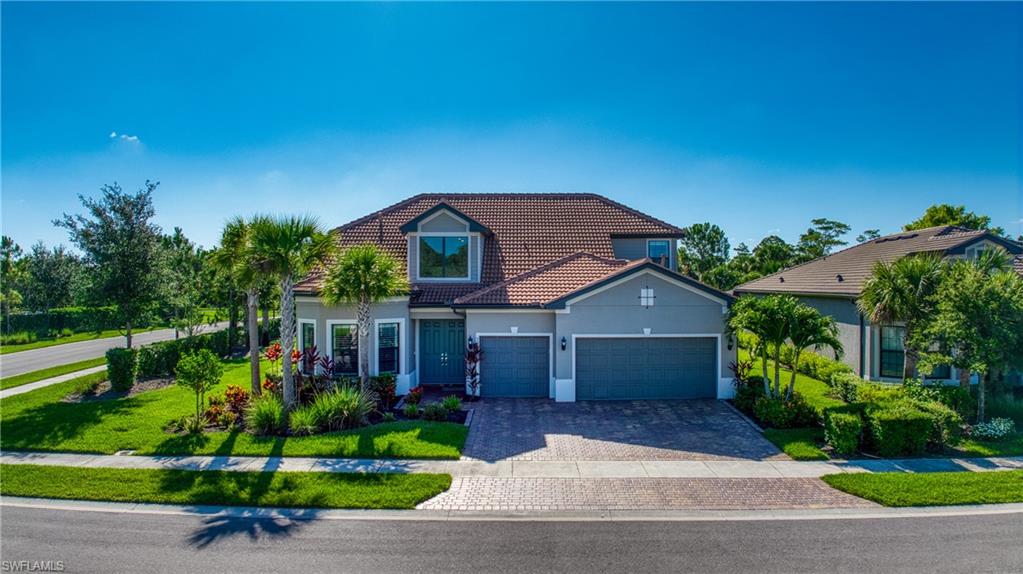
(344, 407)
(452, 403)
(304, 421)
(122, 368)
(946, 424)
(747, 393)
(844, 386)
(435, 412)
(781, 413)
(994, 429)
(843, 429)
(265, 415)
(411, 411)
(388, 417)
(898, 428)
(954, 397)
(19, 338)
(877, 393)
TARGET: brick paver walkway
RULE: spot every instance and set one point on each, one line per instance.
(575, 494)
(541, 429)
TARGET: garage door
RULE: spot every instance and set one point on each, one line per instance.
(515, 367)
(645, 368)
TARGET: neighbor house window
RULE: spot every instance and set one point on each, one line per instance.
(344, 340)
(940, 372)
(387, 348)
(893, 351)
(646, 297)
(444, 257)
(308, 344)
(659, 250)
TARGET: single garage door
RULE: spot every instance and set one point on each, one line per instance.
(515, 367)
(645, 368)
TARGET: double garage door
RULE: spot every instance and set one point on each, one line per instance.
(645, 368)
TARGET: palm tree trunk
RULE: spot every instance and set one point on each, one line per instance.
(792, 379)
(288, 338)
(253, 303)
(981, 396)
(364, 339)
(763, 362)
(777, 373)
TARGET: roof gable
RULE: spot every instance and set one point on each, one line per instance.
(638, 267)
(413, 224)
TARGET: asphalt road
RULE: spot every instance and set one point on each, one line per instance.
(25, 361)
(118, 542)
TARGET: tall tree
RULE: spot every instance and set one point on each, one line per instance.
(363, 275)
(946, 214)
(703, 247)
(900, 292)
(122, 244)
(868, 235)
(772, 254)
(820, 239)
(288, 248)
(808, 329)
(183, 282)
(12, 273)
(55, 278)
(769, 319)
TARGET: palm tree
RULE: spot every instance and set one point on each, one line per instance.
(901, 291)
(363, 275)
(288, 247)
(809, 329)
(237, 259)
(769, 319)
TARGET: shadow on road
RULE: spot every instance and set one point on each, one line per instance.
(255, 524)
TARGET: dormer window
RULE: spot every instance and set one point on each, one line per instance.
(659, 250)
(444, 257)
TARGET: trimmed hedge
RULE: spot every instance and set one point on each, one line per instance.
(160, 359)
(898, 428)
(122, 368)
(843, 428)
(75, 319)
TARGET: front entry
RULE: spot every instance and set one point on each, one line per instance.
(442, 352)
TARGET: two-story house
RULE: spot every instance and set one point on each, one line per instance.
(571, 297)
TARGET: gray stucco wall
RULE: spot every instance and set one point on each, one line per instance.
(635, 248)
(443, 223)
(847, 316)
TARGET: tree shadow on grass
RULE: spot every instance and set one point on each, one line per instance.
(51, 423)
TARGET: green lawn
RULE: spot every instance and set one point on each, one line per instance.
(932, 489)
(77, 337)
(1009, 446)
(817, 393)
(283, 489)
(25, 378)
(38, 420)
(800, 443)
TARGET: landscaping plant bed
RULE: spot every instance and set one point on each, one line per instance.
(104, 392)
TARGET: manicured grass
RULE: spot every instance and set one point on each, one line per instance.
(38, 420)
(800, 444)
(1009, 446)
(284, 489)
(25, 378)
(817, 393)
(932, 489)
(77, 337)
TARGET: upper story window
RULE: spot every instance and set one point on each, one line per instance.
(444, 257)
(659, 250)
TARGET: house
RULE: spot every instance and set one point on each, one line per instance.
(570, 296)
(831, 284)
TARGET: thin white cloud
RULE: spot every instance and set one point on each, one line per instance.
(124, 137)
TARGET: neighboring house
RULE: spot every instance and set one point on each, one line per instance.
(571, 296)
(832, 284)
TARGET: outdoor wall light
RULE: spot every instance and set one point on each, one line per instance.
(564, 343)
(729, 342)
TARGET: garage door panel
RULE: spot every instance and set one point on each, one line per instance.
(646, 368)
(515, 367)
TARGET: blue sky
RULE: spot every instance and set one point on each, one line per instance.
(755, 117)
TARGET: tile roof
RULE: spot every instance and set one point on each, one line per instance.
(546, 283)
(844, 272)
(529, 230)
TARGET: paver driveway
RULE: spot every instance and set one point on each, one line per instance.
(541, 429)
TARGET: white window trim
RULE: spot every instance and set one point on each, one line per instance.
(668, 241)
(550, 352)
(358, 341)
(646, 297)
(402, 350)
(301, 337)
(468, 262)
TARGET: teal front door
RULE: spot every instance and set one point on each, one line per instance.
(442, 352)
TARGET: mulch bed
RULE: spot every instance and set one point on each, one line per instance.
(104, 392)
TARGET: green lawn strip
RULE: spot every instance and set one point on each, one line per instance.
(282, 489)
(1009, 446)
(932, 489)
(39, 420)
(817, 393)
(77, 337)
(25, 378)
(800, 444)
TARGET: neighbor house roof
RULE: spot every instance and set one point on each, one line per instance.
(844, 273)
(528, 230)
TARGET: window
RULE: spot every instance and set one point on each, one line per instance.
(646, 297)
(308, 347)
(892, 351)
(659, 250)
(344, 341)
(444, 257)
(940, 372)
(387, 348)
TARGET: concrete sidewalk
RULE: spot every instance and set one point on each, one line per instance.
(521, 469)
(47, 382)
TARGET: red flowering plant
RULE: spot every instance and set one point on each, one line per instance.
(414, 396)
(273, 353)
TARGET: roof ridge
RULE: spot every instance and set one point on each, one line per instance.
(637, 212)
(536, 271)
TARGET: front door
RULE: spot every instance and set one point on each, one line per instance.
(442, 356)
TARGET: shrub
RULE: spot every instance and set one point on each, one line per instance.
(159, 359)
(1005, 405)
(994, 429)
(384, 387)
(843, 428)
(452, 403)
(781, 413)
(877, 393)
(19, 338)
(388, 417)
(414, 396)
(953, 397)
(898, 428)
(122, 368)
(747, 393)
(435, 412)
(199, 372)
(343, 408)
(236, 399)
(304, 420)
(411, 411)
(844, 385)
(265, 415)
(946, 424)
